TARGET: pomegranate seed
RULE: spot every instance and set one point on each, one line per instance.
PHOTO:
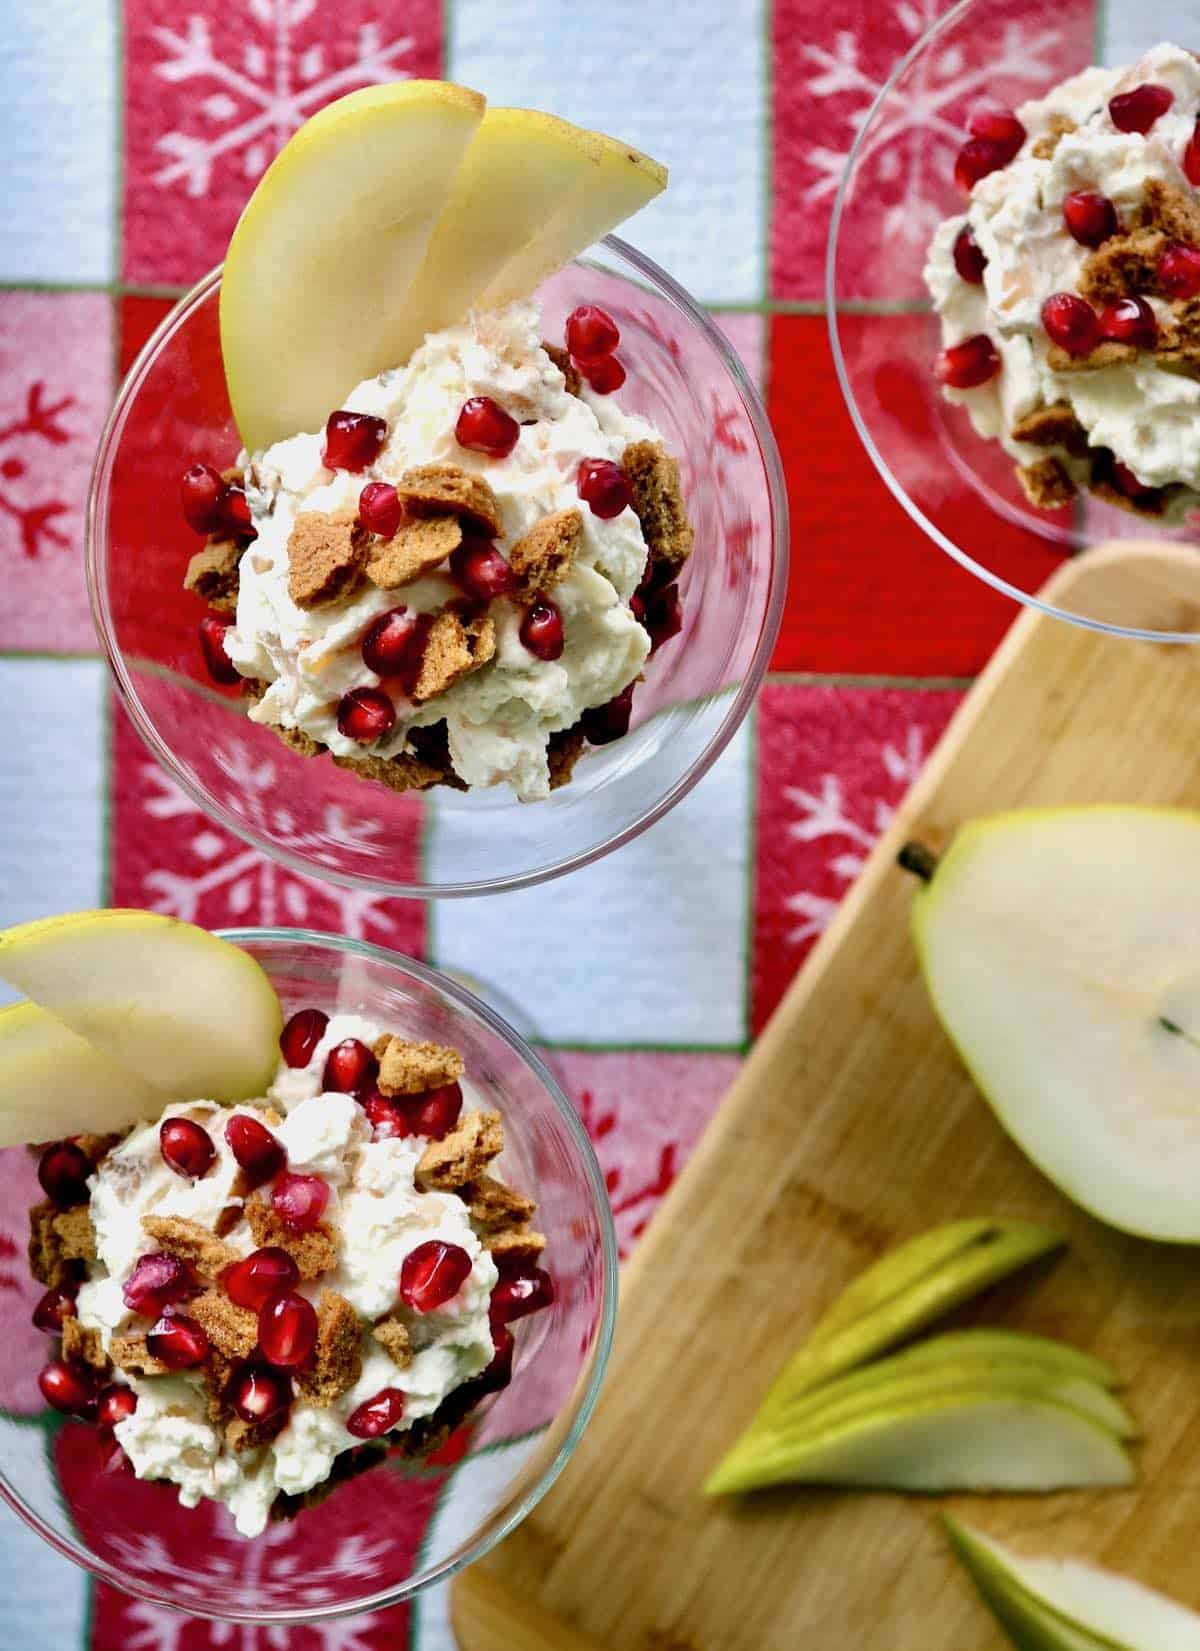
(436, 1112)
(201, 490)
(112, 1458)
(287, 1330)
(63, 1171)
(186, 1147)
(377, 1415)
(301, 1035)
(1090, 218)
(52, 1311)
(591, 331)
(257, 1151)
(499, 1373)
(479, 569)
(349, 1067)
(603, 372)
(68, 1387)
(389, 1116)
(115, 1404)
(968, 259)
(353, 440)
(366, 714)
(299, 1201)
(379, 509)
(663, 616)
(235, 513)
(998, 126)
(1071, 323)
(259, 1394)
(178, 1341)
(156, 1282)
(1179, 271)
(965, 365)
(542, 629)
(392, 644)
(606, 723)
(519, 1294)
(433, 1274)
(1130, 321)
(1128, 482)
(252, 1282)
(485, 427)
(1136, 111)
(604, 487)
(1191, 157)
(976, 158)
(212, 645)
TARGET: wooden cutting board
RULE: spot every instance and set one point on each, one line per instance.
(853, 1125)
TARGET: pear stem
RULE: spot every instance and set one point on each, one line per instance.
(918, 859)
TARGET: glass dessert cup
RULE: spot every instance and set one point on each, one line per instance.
(683, 376)
(898, 185)
(379, 1538)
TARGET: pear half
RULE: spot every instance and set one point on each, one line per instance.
(1060, 950)
(54, 1083)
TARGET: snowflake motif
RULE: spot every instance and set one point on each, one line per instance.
(918, 134)
(824, 815)
(631, 1207)
(253, 109)
(9, 1280)
(42, 421)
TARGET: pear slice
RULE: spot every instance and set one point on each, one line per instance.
(1059, 948)
(190, 1015)
(54, 1083)
(1066, 1597)
(625, 180)
(327, 248)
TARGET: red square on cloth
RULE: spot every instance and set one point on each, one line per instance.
(214, 89)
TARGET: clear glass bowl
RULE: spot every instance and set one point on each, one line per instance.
(897, 186)
(381, 1537)
(683, 376)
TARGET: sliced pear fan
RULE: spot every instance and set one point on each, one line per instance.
(54, 1083)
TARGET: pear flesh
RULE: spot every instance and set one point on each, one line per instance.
(54, 1083)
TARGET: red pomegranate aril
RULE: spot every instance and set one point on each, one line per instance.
(115, 1404)
(235, 513)
(349, 1067)
(968, 259)
(63, 1171)
(391, 644)
(976, 158)
(604, 373)
(970, 363)
(187, 1148)
(259, 1394)
(287, 1331)
(353, 440)
(1128, 482)
(253, 1281)
(257, 1151)
(542, 630)
(591, 331)
(68, 1387)
(299, 1201)
(378, 1415)
(52, 1311)
(663, 616)
(178, 1341)
(484, 427)
(201, 490)
(1179, 271)
(1191, 157)
(1071, 323)
(389, 1116)
(1130, 321)
(605, 723)
(998, 126)
(217, 662)
(301, 1035)
(436, 1112)
(1137, 110)
(479, 570)
(366, 714)
(156, 1283)
(604, 487)
(519, 1294)
(379, 509)
(499, 1373)
(433, 1274)
(1090, 218)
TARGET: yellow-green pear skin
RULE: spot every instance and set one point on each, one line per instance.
(1028, 1625)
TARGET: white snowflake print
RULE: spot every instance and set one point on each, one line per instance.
(917, 133)
(40, 421)
(252, 107)
(823, 814)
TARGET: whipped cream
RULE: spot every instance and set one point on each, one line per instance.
(380, 1216)
(500, 717)
(1145, 414)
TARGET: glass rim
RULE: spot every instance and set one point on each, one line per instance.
(1025, 599)
(466, 1000)
(741, 700)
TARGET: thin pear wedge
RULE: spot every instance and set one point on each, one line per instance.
(54, 1083)
(188, 1014)
(1028, 1625)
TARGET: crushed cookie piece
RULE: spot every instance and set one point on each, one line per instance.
(431, 745)
(75, 1233)
(1125, 266)
(130, 1353)
(325, 556)
(1109, 353)
(213, 574)
(445, 489)
(1059, 126)
(542, 557)
(231, 1329)
(393, 1337)
(227, 1220)
(337, 1360)
(190, 1241)
(47, 1261)
(563, 751)
(515, 1245)
(314, 1253)
(416, 549)
(85, 1345)
(1053, 426)
(1047, 484)
(463, 1156)
(398, 773)
(216, 1373)
(453, 649)
(658, 504)
(1150, 503)
(241, 1435)
(410, 1068)
(96, 1148)
(493, 1206)
(566, 367)
(1174, 211)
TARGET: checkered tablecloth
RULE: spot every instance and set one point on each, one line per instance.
(130, 135)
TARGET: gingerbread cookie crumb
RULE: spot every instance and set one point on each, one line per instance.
(453, 649)
(1125, 266)
(231, 1329)
(393, 1337)
(47, 1261)
(566, 367)
(463, 1156)
(314, 1253)
(212, 574)
(337, 1360)
(410, 1068)
(446, 489)
(653, 476)
(494, 1207)
(416, 549)
(398, 773)
(563, 751)
(515, 1246)
(1052, 426)
(542, 557)
(1059, 126)
(1174, 211)
(190, 1241)
(325, 556)
(1047, 484)
(131, 1354)
(84, 1345)
(75, 1233)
